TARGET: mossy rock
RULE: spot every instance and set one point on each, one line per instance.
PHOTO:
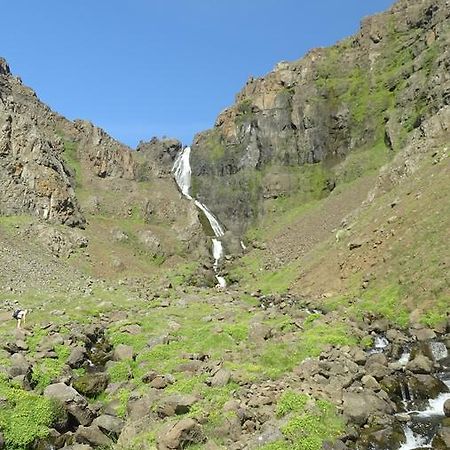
(91, 384)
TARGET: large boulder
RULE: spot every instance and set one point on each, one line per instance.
(77, 357)
(91, 384)
(176, 404)
(74, 403)
(92, 435)
(359, 406)
(123, 352)
(447, 408)
(110, 425)
(180, 435)
(19, 365)
(442, 439)
(420, 364)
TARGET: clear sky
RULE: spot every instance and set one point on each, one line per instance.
(143, 68)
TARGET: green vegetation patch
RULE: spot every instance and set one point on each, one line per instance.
(25, 416)
(311, 423)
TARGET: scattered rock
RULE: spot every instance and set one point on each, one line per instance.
(77, 357)
(91, 384)
(176, 404)
(180, 435)
(110, 425)
(92, 435)
(123, 352)
(75, 404)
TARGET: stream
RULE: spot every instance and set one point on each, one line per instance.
(424, 418)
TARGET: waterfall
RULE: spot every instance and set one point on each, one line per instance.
(182, 173)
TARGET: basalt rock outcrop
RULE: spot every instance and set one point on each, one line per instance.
(289, 130)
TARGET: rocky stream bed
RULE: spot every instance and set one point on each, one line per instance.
(392, 395)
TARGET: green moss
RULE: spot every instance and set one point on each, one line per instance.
(306, 430)
(25, 416)
(291, 401)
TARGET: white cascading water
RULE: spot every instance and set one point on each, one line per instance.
(182, 173)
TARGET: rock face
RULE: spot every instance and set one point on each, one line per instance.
(156, 157)
(39, 150)
(368, 91)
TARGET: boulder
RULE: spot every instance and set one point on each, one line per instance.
(91, 384)
(50, 342)
(180, 435)
(424, 334)
(19, 365)
(442, 439)
(359, 406)
(176, 404)
(92, 435)
(123, 352)
(447, 408)
(220, 378)
(75, 404)
(77, 357)
(78, 447)
(110, 425)
(420, 364)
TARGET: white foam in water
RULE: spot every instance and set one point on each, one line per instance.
(380, 343)
(182, 173)
(435, 406)
(413, 440)
(404, 358)
(217, 251)
(439, 350)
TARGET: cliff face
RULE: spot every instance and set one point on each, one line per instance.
(33, 178)
(73, 173)
(291, 130)
(37, 147)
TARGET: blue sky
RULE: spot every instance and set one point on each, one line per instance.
(143, 68)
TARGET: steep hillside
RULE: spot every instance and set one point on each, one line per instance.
(132, 216)
(292, 131)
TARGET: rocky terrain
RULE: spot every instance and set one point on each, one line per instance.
(330, 177)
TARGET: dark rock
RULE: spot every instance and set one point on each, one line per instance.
(77, 357)
(92, 435)
(447, 408)
(123, 352)
(91, 384)
(75, 404)
(180, 435)
(110, 425)
(176, 404)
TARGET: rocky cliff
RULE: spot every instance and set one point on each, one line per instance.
(73, 173)
(291, 130)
